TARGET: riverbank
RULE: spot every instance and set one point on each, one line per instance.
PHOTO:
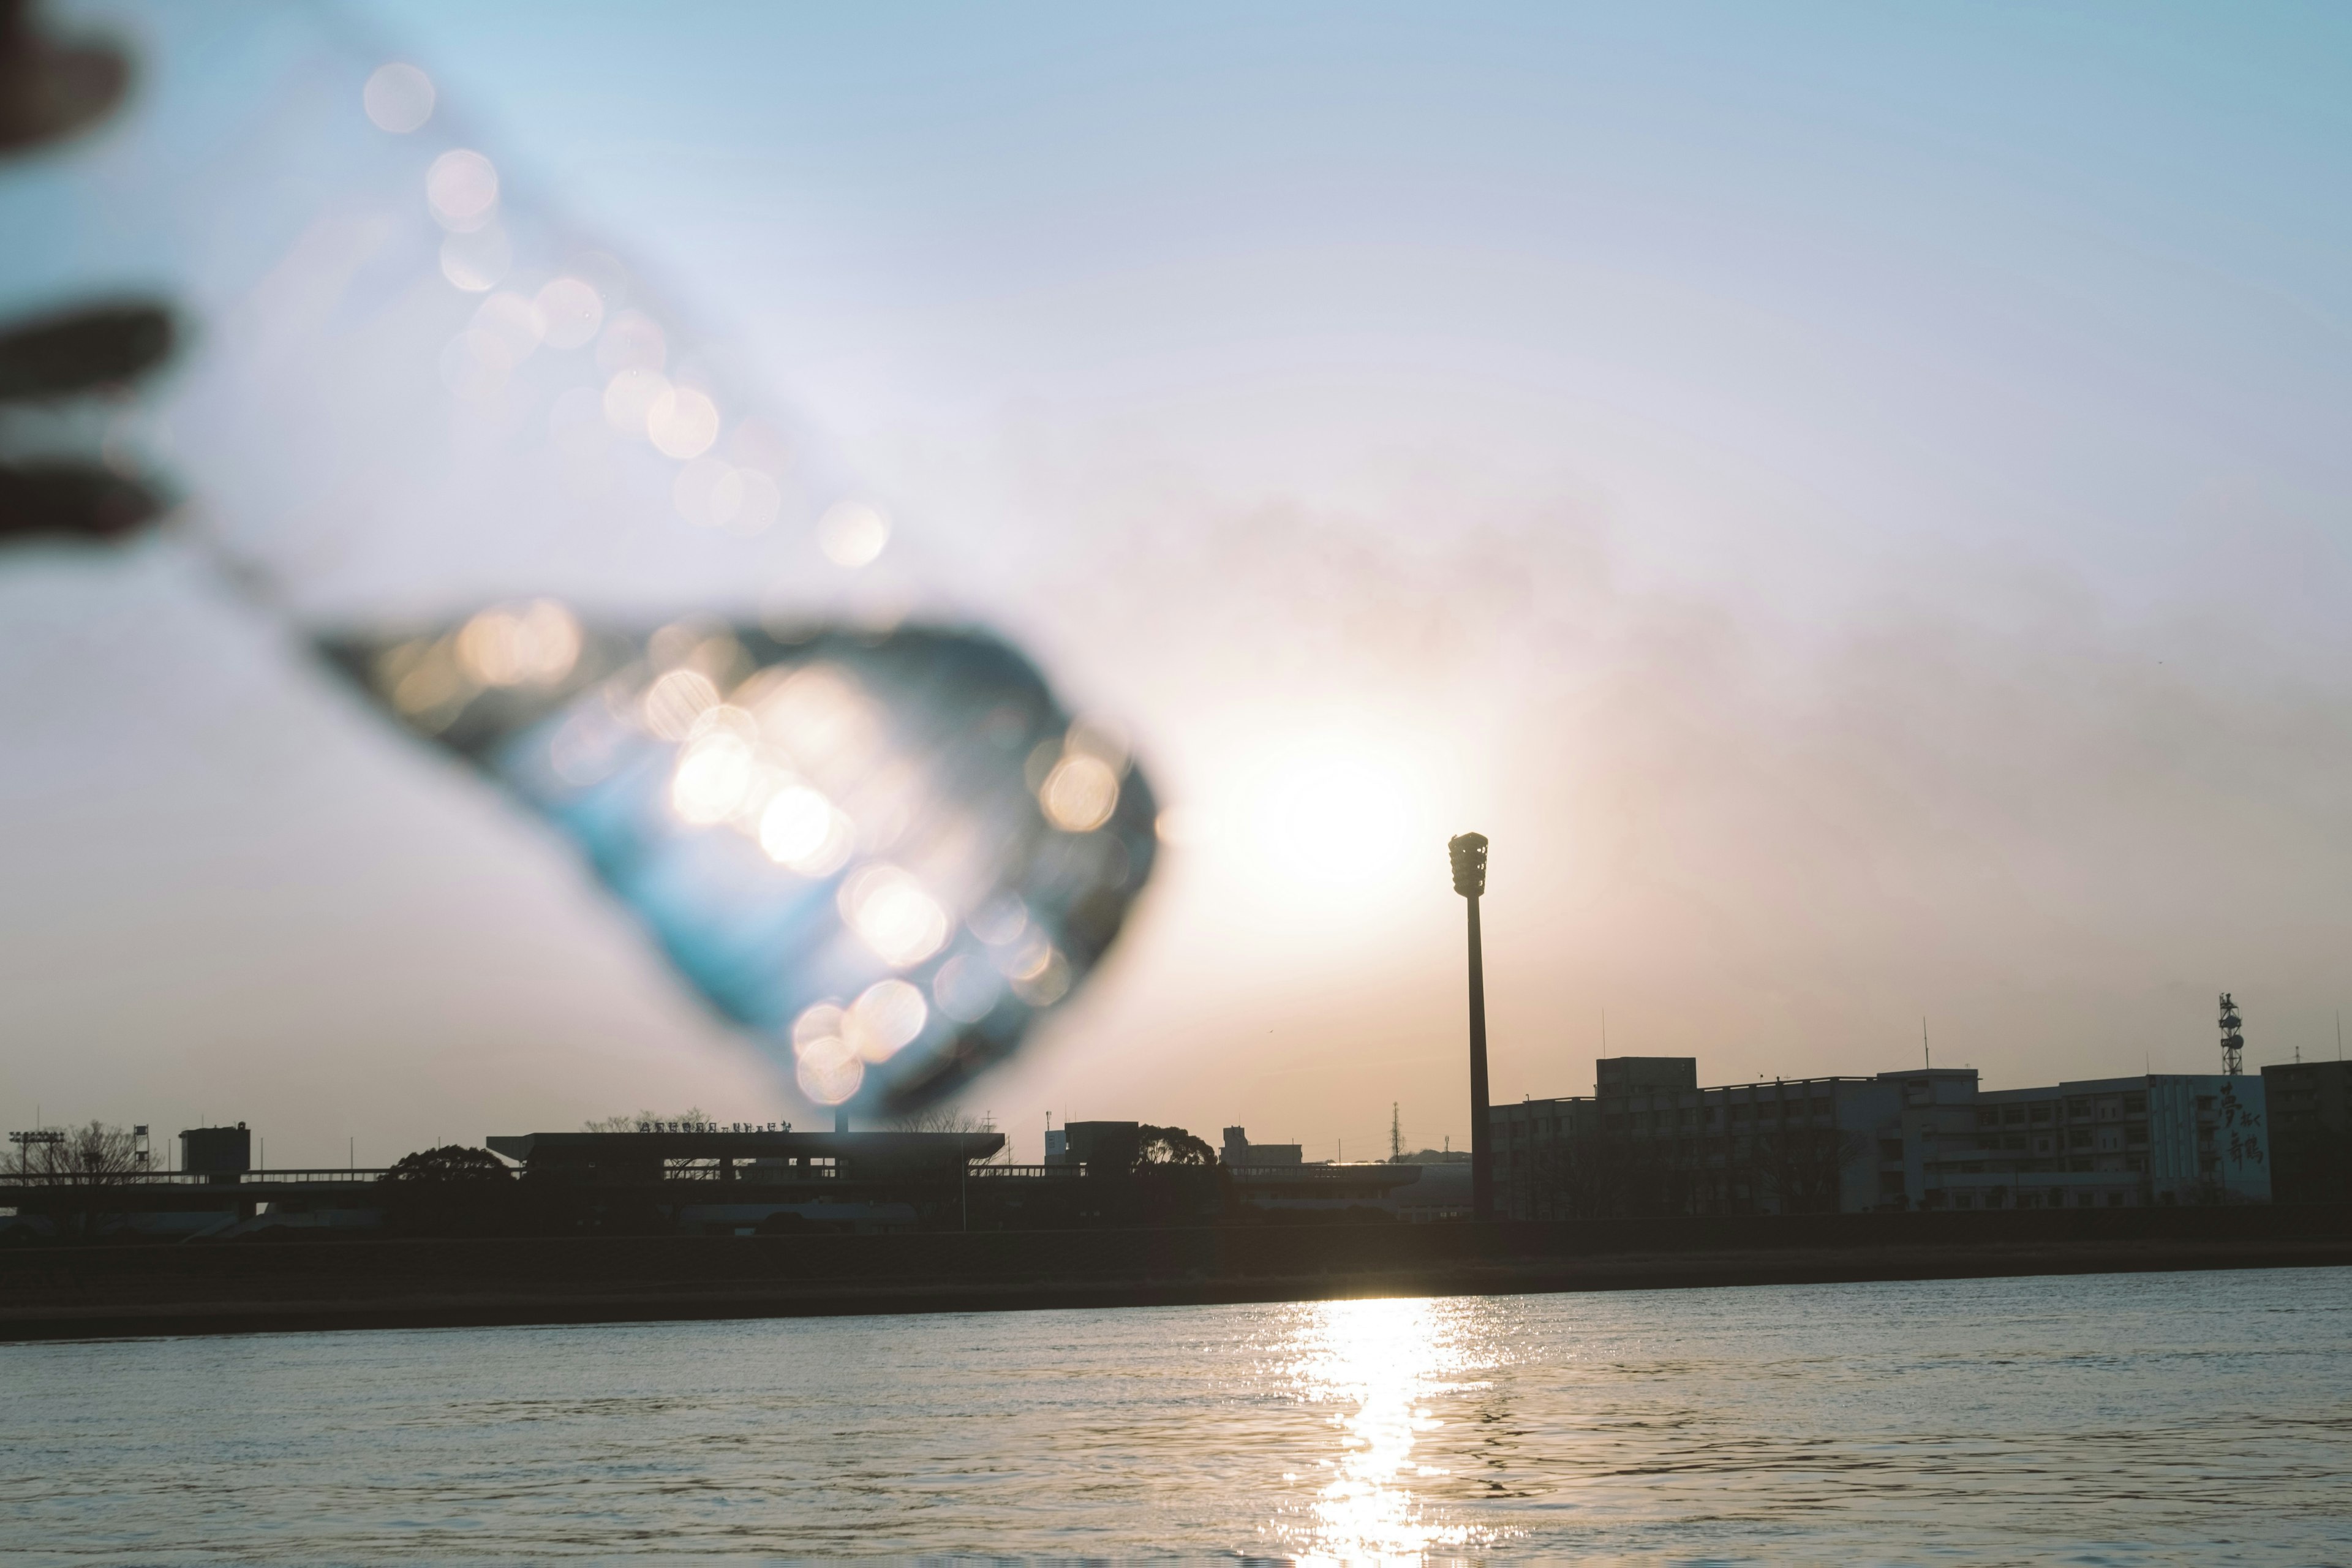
(98, 1291)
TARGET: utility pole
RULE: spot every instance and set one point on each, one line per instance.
(1468, 852)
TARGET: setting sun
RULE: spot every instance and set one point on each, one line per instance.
(1331, 819)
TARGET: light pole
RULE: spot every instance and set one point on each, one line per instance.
(1469, 855)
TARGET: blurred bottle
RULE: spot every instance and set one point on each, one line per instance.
(412, 391)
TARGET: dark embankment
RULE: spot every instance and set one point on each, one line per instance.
(102, 1291)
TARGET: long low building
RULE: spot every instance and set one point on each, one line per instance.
(1651, 1141)
(746, 1154)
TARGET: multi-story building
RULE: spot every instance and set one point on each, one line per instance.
(2311, 1132)
(1651, 1141)
(1238, 1149)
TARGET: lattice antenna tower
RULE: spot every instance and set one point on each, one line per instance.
(2233, 1043)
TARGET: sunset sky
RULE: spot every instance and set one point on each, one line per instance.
(1854, 501)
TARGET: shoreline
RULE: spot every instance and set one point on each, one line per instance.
(48, 1298)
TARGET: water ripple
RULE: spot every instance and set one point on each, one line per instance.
(2126, 1420)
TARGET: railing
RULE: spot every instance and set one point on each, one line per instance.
(1323, 1172)
(336, 1176)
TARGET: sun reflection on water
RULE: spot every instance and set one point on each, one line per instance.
(1376, 1365)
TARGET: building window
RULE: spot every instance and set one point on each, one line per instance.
(2041, 1112)
(2015, 1115)
(2136, 1105)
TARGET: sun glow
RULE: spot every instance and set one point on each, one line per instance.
(1336, 818)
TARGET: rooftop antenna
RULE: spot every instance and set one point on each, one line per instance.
(2233, 1043)
(1928, 1055)
(1396, 1133)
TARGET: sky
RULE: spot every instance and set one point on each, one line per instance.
(1850, 500)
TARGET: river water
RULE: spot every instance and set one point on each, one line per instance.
(2114, 1419)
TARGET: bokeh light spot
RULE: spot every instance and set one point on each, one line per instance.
(893, 914)
(674, 702)
(573, 311)
(885, 1019)
(966, 989)
(709, 492)
(800, 830)
(830, 1070)
(631, 341)
(1079, 794)
(398, 97)
(462, 188)
(1047, 984)
(630, 397)
(477, 261)
(528, 645)
(682, 422)
(852, 534)
(712, 775)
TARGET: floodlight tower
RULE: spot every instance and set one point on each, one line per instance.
(1469, 853)
(2233, 1044)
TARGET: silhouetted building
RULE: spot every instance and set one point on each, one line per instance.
(2311, 1132)
(1651, 1142)
(1103, 1146)
(1615, 1076)
(216, 1151)
(1239, 1151)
